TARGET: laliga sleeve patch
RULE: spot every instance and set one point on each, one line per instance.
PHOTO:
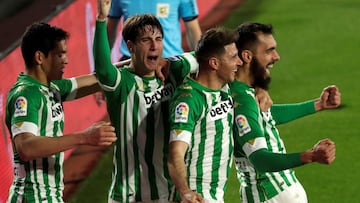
(242, 125)
(174, 58)
(21, 106)
(181, 113)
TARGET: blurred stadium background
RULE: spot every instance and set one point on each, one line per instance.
(318, 42)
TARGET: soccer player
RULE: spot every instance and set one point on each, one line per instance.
(35, 116)
(137, 103)
(263, 167)
(201, 122)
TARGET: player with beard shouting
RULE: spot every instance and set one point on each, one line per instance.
(263, 167)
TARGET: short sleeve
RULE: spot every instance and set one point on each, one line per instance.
(23, 109)
(246, 124)
(188, 10)
(182, 65)
(115, 10)
(66, 87)
(184, 112)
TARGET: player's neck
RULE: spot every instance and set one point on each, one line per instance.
(210, 81)
(142, 71)
(37, 74)
(243, 75)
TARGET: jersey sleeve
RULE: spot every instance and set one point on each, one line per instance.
(106, 72)
(250, 137)
(66, 87)
(283, 113)
(23, 108)
(266, 161)
(188, 10)
(115, 10)
(182, 65)
(247, 130)
(184, 112)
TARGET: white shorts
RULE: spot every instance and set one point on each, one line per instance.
(293, 194)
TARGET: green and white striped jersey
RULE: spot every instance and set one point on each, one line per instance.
(203, 118)
(139, 110)
(250, 126)
(37, 109)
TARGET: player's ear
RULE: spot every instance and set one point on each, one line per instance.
(246, 56)
(214, 62)
(38, 57)
(130, 46)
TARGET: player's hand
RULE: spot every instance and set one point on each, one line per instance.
(103, 9)
(191, 197)
(99, 97)
(99, 134)
(330, 98)
(263, 99)
(163, 69)
(324, 151)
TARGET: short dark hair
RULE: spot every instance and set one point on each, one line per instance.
(248, 34)
(213, 42)
(42, 37)
(135, 26)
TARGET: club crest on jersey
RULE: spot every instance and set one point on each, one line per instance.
(163, 10)
(242, 125)
(221, 110)
(21, 106)
(181, 113)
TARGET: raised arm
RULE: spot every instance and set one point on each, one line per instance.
(106, 72)
(265, 161)
(330, 98)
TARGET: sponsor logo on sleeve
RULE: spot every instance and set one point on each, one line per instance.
(21, 106)
(242, 125)
(181, 113)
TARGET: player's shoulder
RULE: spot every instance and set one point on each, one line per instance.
(22, 95)
(242, 91)
(184, 92)
(25, 89)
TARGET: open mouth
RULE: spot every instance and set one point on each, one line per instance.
(152, 58)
